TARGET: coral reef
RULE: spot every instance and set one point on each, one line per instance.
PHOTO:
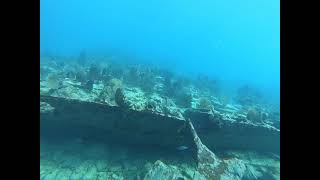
(133, 75)
(255, 115)
(43, 73)
(171, 85)
(94, 73)
(184, 100)
(207, 85)
(46, 108)
(105, 74)
(148, 106)
(160, 171)
(115, 84)
(88, 85)
(80, 76)
(53, 81)
(151, 105)
(120, 99)
(104, 96)
(224, 99)
(248, 96)
(204, 103)
(99, 82)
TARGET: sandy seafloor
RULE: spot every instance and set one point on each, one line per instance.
(77, 159)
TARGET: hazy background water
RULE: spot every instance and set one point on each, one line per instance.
(236, 41)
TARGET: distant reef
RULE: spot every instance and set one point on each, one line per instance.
(145, 105)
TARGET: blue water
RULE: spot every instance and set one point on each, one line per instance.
(235, 41)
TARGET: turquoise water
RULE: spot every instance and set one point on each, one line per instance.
(237, 41)
(165, 55)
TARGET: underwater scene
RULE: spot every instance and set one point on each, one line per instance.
(159, 90)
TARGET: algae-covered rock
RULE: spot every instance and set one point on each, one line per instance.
(235, 170)
(252, 173)
(46, 108)
(161, 171)
(115, 84)
(53, 81)
(254, 115)
(204, 103)
(121, 99)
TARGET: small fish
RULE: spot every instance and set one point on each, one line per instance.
(182, 148)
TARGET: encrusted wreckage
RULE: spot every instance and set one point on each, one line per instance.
(147, 127)
(166, 114)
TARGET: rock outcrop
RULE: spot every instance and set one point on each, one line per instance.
(161, 171)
